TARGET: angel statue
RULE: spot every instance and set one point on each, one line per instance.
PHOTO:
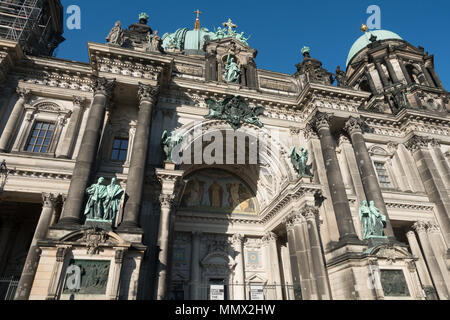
(115, 36)
(216, 109)
(169, 142)
(232, 70)
(299, 160)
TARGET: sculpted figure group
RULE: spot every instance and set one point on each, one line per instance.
(373, 221)
(103, 203)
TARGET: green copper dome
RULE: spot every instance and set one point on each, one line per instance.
(190, 41)
(364, 41)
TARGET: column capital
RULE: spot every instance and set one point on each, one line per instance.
(309, 212)
(269, 237)
(237, 239)
(294, 219)
(410, 234)
(167, 200)
(321, 120)
(435, 143)
(309, 132)
(103, 86)
(354, 125)
(78, 101)
(49, 200)
(148, 93)
(417, 143)
(23, 93)
(420, 226)
(433, 228)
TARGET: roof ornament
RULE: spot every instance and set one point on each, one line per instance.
(306, 51)
(364, 28)
(143, 18)
(230, 25)
(197, 21)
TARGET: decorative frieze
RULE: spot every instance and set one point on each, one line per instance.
(417, 143)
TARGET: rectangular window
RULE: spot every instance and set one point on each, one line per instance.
(383, 175)
(120, 150)
(41, 137)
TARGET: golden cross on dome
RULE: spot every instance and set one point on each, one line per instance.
(197, 22)
(230, 25)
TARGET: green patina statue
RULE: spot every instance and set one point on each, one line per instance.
(232, 70)
(103, 202)
(372, 220)
(299, 160)
(235, 110)
(169, 142)
(114, 195)
(97, 194)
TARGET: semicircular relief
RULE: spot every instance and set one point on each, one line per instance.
(218, 191)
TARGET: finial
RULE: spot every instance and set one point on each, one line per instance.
(306, 51)
(230, 25)
(197, 21)
(143, 17)
(364, 28)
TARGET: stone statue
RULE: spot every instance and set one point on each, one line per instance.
(169, 142)
(299, 160)
(232, 70)
(114, 196)
(340, 77)
(220, 34)
(235, 110)
(155, 42)
(95, 206)
(115, 36)
(373, 222)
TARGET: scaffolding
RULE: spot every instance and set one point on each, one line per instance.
(26, 22)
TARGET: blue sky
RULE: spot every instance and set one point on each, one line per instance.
(278, 29)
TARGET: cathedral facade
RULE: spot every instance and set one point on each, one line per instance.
(171, 167)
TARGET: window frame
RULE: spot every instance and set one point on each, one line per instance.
(112, 149)
(30, 137)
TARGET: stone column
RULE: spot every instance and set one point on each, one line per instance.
(321, 123)
(309, 290)
(239, 277)
(195, 266)
(169, 179)
(383, 77)
(391, 70)
(372, 85)
(13, 120)
(272, 249)
(442, 162)
(439, 250)
(103, 89)
(311, 214)
(438, 279)
(405, 72)
(73, 128)
(427, 76)
(422, 269)
(33, 257)
(369, 177)
(148, 96)
(296, 279)
(436, 78)
(434, 186)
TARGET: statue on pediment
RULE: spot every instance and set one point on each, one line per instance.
(95, 209)
(154, 42)
(373, 221)
(115, 36)
(114, 195)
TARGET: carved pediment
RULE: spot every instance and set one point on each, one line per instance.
(391, 253)
(94, 239)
